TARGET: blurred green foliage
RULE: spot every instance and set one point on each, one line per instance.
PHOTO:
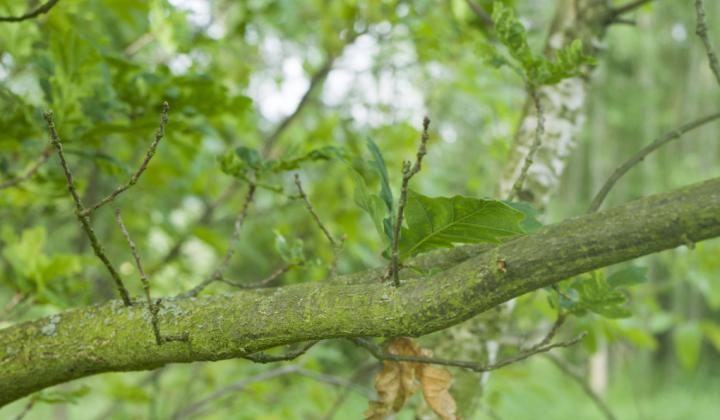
(232, 71)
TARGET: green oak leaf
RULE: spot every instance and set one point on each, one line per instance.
(441, 222)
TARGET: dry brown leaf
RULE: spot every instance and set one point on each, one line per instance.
(436, 383)
(396, 382)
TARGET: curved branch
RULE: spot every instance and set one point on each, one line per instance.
(40, 10)
(111, 337)
(643, 153)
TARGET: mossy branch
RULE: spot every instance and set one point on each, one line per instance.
(111, 337)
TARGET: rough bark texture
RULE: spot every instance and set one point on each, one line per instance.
(111, 337)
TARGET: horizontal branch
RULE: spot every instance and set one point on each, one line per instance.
(112, 337)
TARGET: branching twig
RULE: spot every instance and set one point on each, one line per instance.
(80, 211)
(40, 10)
(291, 355)
(581, 381)
(539, 130)
(541, 347)
(408, 172)
(639, 156)
(153, 307)
(336, 244)
(702, 31)
(218, 273)
(30, 172)
(159, 134)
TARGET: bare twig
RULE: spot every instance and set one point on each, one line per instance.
(484, 17)
(604, 408)
(541, 347)
(316, 80)
(702, 31)
(40, 10)
(80, 211)
(640, 155)
(267, 281)
(153, 307)
(291, 355)
(159, 134)
(45, 155)
(626, 8)
(218, 272)
(27, 408)
(539, 130)
(408, 173)
(336, 244)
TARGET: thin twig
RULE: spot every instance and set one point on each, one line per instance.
(218, 272)
(702, 31)
(267, 281)
(336, 244)
(380, 354)
(604, 408)
(45, 155)
(408, 172)
(316, 80)
(80, 211)
(40, 10)
(159, 134)
(626, 8)
(484, 17)
(640, 155)
(153, 307)
(291, 355)
(27, 408)
(539, 130)
(193, 408)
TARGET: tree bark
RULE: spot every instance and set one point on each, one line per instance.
(110, 337)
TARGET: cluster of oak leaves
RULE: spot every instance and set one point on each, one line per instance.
(398, 381)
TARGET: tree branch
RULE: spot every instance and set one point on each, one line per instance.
(218, 273)
(702, 31)
(40, 10)
(45, 155)
(110, 337)
(159, 134)
(407, 172)
(601, 405)
(640, 155)
(80, 211)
